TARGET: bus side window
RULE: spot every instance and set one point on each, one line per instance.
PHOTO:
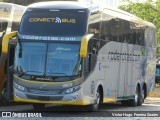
(92, 54)
(91, 58)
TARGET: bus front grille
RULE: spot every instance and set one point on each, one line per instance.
(44, 98)
(46, 92)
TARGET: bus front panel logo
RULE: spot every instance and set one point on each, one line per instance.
(52, 20)
(58, 20)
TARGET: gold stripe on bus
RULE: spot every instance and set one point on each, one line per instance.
(84, 44)
(80, 102)
(46, 82)
(105, 100)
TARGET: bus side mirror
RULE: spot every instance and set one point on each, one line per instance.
(84, 45)
(6, 40)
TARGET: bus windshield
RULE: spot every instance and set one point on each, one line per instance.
(51, 59)
(53, 24)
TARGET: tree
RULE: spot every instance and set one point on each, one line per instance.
(149, 11)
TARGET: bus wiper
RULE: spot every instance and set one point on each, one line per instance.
(76, 67)
(26, 73)
(63, 74)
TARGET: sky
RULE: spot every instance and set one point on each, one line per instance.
(111, 3)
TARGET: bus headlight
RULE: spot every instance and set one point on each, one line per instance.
(71, 90)
(19, 87)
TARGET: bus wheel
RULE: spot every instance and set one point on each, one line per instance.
(38, 106)
(4, 94)
(125, 102)
(143, 95)
(141, 98)
(95, 106)
(3, 100)
(134, 102)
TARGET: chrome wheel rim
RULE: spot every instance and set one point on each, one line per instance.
(98, 98)
(136, 96)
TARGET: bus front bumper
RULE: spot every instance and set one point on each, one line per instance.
(80, 102)
(74, 98)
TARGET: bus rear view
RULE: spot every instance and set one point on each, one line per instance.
(47, 66)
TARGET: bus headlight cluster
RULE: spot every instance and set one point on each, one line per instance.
(19, 87)
(71, 90)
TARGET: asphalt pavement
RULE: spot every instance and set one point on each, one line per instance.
(112, 111)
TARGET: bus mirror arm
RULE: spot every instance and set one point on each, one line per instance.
(6, 40)
(6, 51)
(84, 45)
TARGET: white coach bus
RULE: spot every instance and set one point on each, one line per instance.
(68, 53)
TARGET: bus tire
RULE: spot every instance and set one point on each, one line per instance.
(38, 106)
(125, 102)
(134, 102)
(95, 106)
(141, 97)
(4, 94)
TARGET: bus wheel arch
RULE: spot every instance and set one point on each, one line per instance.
(98, 99)
(140, 95)
(100, 87)
(136, 100)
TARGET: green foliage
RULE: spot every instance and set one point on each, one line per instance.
(158, 52)
(149, 11)
(144, 10)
